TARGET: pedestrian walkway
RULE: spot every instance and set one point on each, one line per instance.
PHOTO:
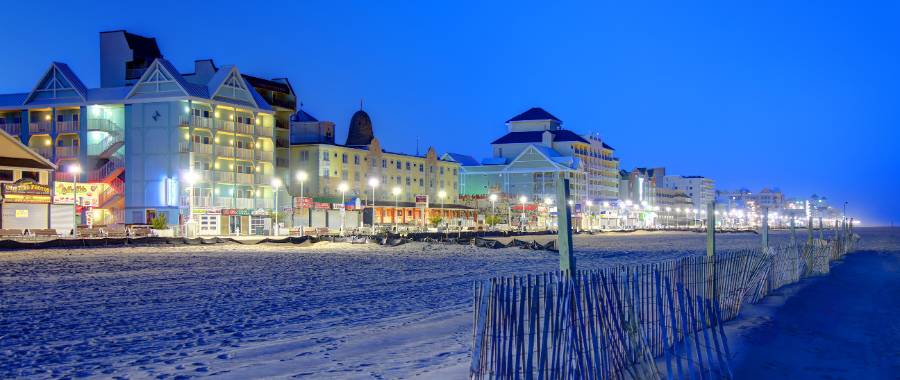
(842, 326)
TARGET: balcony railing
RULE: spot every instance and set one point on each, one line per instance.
(106, 143)
(265, 203)
(197, 121)
(244, 178)
(37, 127)
(108, 168)
(185, 147)
(199, 201)
(12, 128)
(264, 155)
(224, 125)
(244, 154)
(244, 202)
(104, 125)
(264, 131)
(69, 126)
(46, 151)
(227, 177)
(224, 151)
(246, 129)
(67, 151)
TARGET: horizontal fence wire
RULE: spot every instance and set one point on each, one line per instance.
(614, 322)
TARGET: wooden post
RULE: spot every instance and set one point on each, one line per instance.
(793, 232)
(850, 227)
(564, 230)
(809, 227)
(821, 230)
(764, 228)
(711, 229)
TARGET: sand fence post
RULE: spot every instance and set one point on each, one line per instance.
(564, 229)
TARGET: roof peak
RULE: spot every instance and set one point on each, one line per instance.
(533, 114)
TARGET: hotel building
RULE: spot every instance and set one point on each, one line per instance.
(138, 135)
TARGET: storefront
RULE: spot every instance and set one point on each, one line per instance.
(234, 222)
(26, 205)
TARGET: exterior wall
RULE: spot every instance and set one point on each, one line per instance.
(152, 161)
(329, 165)
(701, 190)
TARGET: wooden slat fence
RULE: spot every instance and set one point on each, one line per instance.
(613, 323)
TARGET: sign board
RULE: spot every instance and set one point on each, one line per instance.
(88, 193)
(26, 191)
(337, 206)
(21, 213)
(304, 202)
(422, 200)
(321, 205)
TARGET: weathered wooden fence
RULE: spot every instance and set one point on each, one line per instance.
(615, 322)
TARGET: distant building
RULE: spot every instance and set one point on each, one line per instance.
(700, 189)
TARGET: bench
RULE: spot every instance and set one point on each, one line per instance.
(11, 233)
(85, 232)
(115, 232)
(44, 233)
(140, 231)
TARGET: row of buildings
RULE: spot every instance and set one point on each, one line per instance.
(230, 153)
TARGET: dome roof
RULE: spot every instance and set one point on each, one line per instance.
(360, 132)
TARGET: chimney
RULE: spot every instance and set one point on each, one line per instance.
(547, 139)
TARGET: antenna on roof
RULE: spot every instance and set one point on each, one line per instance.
(360, 104)
(417, 145)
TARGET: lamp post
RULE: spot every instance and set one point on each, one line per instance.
(493, 199)
(547, 203)
(301, 177)
(373, 183)
(442, 195)
(342, 187)
(75, 169)
(590, 205)
(276, 184)
(396, 191)
(191, 178)
(522, 201)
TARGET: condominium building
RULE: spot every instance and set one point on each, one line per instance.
(328, 165)
(700, 189)
(150, 136)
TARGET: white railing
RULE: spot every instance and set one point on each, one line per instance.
(108, 168)
(36, 127)
(243, 202)
(265, 203)
(227, 177)
(264, 131)
(244, 154)
(185, 147)
(264, 155)
(196, 121)
(104, 125)
(69, 126)
(246, 129)
(12, 128)
(104, 144)
(225, 151)
(244, 178)
(225, 125)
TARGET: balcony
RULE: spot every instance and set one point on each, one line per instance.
(106, 147)
(46, 151)
(246, 129)
(197, 121)
(185, 147)
(12, 128)
(104, 125)
(38, 127)
(243, 154)
(264, 131)
(243, 202)
(224, 151)
(244, 178)
(227, 177)
(265, 203)
(115, 163)
(282, 143)
(67, 151)
(224, 125)
(263, 155)
(69, 126)
(198, 201)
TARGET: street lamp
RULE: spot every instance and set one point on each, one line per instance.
(75, 169)
(342, 187)
(548, 202)
(191, 178)
(522, 201)
(276, 184)
(441, 195)
(590, 204)
(373, 183)
(493, 199)
(302, 176)
(396, 191)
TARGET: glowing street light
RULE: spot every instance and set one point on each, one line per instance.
(396, 191)
(442, 195)
(302, 176)
(522, 200)
(75, 170)
(276, 185)
(493, 199)
(342, 187)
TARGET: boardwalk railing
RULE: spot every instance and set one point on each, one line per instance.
(615, 322)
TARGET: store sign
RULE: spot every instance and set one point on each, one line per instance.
(21, 213)
(337, 206)
(88, 193)
(321, 205)
(303, 202)
(201, 211)
(26, 191)
(422, 200)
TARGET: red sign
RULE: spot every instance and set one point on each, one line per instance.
(303, 202)
(322, 205)
(528, 207)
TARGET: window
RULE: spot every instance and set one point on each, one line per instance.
(75, 117)
(398, 165)
(407, 166)
(205, 113)
(31, 175)
(421, 182)
(304, 155)
(6, 175)
(60, 117)
(421, 168)
(344, 158)
(407, 181)
(206, 140)
(384, 164)
(355, 160)
(325, 156)
(398, 180)
(442, 170)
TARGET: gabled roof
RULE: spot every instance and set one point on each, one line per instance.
(462, 159)
(537, 136)
(534, 113)
(303, 117)
(58, 80)
(550, 155)
(14, 153)
(160, 73)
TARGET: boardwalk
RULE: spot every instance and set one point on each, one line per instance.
(855, 336)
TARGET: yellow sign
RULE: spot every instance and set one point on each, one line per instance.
(26, 191)
(21, 213)
(26, 198)
(88, 193)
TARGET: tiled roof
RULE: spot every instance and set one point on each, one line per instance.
(536, 137)
(260, 102)
(463, 160)
(534, 113)
(303, 117)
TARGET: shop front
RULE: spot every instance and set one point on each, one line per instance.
(26, 205)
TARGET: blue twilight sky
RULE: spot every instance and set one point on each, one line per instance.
(801, 95)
